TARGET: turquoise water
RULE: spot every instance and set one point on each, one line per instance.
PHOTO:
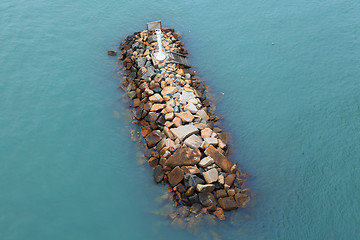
(68, 169)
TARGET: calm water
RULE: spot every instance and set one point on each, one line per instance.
(68, 169)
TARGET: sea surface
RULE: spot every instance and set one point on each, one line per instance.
(286, 78)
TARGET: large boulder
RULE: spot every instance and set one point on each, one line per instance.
(183, 157)
(219, 158)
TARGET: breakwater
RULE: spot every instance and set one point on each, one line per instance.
(182, 142)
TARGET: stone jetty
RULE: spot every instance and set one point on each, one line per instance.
(184, 145)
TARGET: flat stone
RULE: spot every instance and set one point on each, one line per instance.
(221, 193)
(207, 199)
(228, 203)
(183, 157)
(186, 117)
(194, 141)
(185, 96)
(157, 107)
(158, 174)
(184, 131)
(168, 90)
(156, 98)
(203, 115)
(177, 121)
(176, 176)
(211, 141)
(169, 116)
(207, 161)
(205, 187)
(191, 107)
(219, 158)
(190, 169)
(192, 180)
(200, 126)
(206, 133)
(211, 176)
(153, 138)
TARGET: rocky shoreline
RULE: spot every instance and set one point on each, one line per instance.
(183, 145)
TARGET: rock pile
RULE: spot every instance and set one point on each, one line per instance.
(182, 145)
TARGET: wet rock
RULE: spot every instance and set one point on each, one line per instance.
(241, 199)
(193, 141)
(184, 131)
(205, 162)
(219, 158)
(132, 94)
(183, 157)
(205, 187)
(194, 199)
(153, 138)
(183, 211)
(228, 203)
(231, 192)
(176, 176)
(196, 208)
(211, 175)
(192, 180)
(180, 188)
(178, 223)
(151, 117)
(161, 120)
(229, 179)
(111, 53)
(219, 213)
(153, 162)
(145, 131)
(190, 191)
(207, 199)
(158, 174)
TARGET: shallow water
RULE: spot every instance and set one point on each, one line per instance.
(69, 170)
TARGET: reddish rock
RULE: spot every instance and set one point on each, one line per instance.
(157, 107)
(190, 169)
(219, 158)
(168, 133)
(184, 157)
(147, 106)
(176, 176)
(190, 191)
(145, 131)
(177, 121)
(221, 193)
(241, 199)
(180, 188)
(219, 213)
(228, 203)
(206, 133)
(136, 102)
(196, 208)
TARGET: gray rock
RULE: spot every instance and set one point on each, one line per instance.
(141, 61)
(152, 38)
(211, 141)
(185, 96)
(193, 141)
(191, 107)
(149, 73)
(201, 113)
(187, 76)
(132, 75)
(135, 45)
(192, 180)
(184, 131)
(158, 174)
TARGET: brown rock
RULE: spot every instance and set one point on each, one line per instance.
(147, 106)
(168, 90)
(136, 102)
(145, 131)
(229, 179)
(221, 193)
(219, 213)
(176, 176)
(169, 116)
(205, 187)
(190, 191)
(219, 158)
(228, 203)
(185, 117)
(168, 133)
(207, 199)
(153, 138)
(183, 157)
(180, 188)
(156, 98)
(206, 133)
(196, 208)
(190, 169)
(153, 162)
(241, 199)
